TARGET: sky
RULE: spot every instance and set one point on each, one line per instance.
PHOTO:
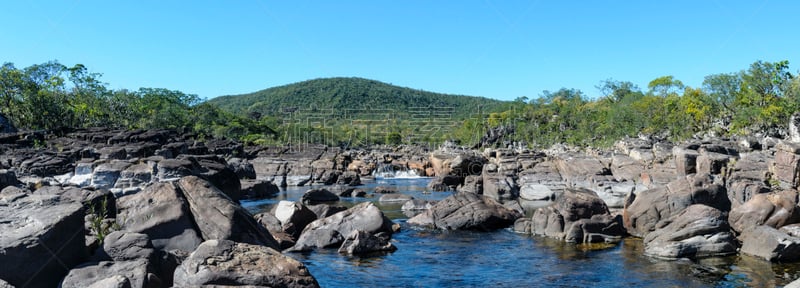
(500, 49)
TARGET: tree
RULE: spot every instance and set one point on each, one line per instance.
(615, 91)
(724, 89)
(664, 86)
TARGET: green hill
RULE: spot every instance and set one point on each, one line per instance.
(355, 98)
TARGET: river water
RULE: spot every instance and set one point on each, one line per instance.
(427, 258)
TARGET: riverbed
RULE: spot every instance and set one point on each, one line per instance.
(427, 258)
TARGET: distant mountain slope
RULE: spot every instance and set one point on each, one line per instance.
(355, 97)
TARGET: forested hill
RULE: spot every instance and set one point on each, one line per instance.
(356, 96)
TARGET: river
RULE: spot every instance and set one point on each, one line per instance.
(427, 258)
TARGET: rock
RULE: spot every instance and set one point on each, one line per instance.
(325, 210)
(500, 187)
(319, 195)
(770, 244)
(126, 246)
(222, 262)
(8, 178)
(417, 204)
(774, 209)
(242, 168)
(34, 228)
(257, 189)
(217, 217)
(786, 166)
(394, 198)
(360, 243)
(645, 211)
(578, 215)
(293, 216)
(161, 212)
(106, 174)
(385, 190)
(349, 178)
(685, 160)
(330, 231)
(466, 211)
(472, 184)
(457, 163)
(273, 225)
(328, 177)
(136, 175)
(697, 231)
(134, 274)
(794, 127)
(712, 163)
(749, 176)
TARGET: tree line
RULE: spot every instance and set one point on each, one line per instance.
(52, 96)
(755, 101)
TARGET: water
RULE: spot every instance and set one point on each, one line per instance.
(503, 258)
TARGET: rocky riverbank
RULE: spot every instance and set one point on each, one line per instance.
(160, 208)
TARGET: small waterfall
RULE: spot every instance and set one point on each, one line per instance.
(393, 171)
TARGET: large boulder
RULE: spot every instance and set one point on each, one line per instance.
(133, 274)
(161, 212)
(457, 163)
(218, 217)
(293, 217)
(771, 244)
(578, 215)
(466, 211)
(319, 195)
(256, 189)
(350, 178)
(331, 231)
(499, 185)
(698, 231)
(645, 211)
(774, 209)
(42, 238)
(223, 262)
(360, 243)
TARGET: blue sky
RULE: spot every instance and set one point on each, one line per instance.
(494, 48)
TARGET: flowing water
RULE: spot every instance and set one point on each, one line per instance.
(503, 258)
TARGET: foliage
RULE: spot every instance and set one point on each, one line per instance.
(359, 112)
(99, 222)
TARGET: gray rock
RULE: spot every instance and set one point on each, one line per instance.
(360, 243)
(217, 217)
(243, 168)
(466, 211)
(698, 231)
(770, 244)
(126, 246)
(273, 225)
(774, 209)
(647, 210)
(136, 175)
(293, 217)
(472, 184)
(105, 175)
(256, 189)
(350, 178)
(319, 195)
(222, 262)
(578, 215)
(325, 210)
(500, 187)
(135, 274)
(34, 228)
(385, 190)
(330, 231)
(161, 212)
